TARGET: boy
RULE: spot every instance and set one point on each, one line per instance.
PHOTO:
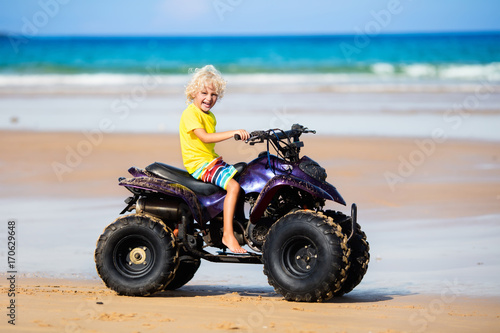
(198, 138)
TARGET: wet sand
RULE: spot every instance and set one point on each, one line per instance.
(430, 209)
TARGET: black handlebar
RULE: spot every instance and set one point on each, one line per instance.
(276, 134)
(286, 143)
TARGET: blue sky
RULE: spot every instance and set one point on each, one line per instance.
(245, 17)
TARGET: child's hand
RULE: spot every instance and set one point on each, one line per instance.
(244, 135)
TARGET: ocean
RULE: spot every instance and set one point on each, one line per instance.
(345, 85)
(445, 56)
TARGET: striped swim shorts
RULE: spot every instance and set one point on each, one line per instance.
(216, 172)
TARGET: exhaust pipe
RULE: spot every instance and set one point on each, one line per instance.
(165, 209)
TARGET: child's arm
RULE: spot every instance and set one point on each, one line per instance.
(219, 136)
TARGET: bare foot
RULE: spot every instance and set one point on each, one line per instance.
(232, 244)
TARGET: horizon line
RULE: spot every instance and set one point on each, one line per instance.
(288, 35)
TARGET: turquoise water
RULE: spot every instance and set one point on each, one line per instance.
(373, 55)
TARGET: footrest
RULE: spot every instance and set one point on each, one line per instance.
(248, 254)
(248, 258)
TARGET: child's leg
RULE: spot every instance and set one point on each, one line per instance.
(228, 239)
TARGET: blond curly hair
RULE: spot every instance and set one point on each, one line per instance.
(205, 76)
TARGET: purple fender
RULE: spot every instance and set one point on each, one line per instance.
(169, 188)
(326, 191)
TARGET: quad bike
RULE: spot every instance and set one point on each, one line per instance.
(309, 254)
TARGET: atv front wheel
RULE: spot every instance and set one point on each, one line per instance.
(306, 256)
(136, 255)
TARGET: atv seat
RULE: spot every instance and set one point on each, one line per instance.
(183, 177)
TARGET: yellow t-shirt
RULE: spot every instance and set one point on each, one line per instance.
(195, 153)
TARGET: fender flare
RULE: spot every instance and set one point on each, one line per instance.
(168, 188)
(275, 183)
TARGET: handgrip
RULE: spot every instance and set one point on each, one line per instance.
(237, 137)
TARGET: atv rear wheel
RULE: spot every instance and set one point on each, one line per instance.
(188, 265)
(136, 255)
(359, 247)
(306, 256)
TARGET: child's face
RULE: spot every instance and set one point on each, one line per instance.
(206, 98)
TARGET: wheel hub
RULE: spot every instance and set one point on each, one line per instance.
(300, 257)
(306, 257)
(138, 256)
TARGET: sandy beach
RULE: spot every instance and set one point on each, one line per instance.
(430, 210)
(51, 305)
